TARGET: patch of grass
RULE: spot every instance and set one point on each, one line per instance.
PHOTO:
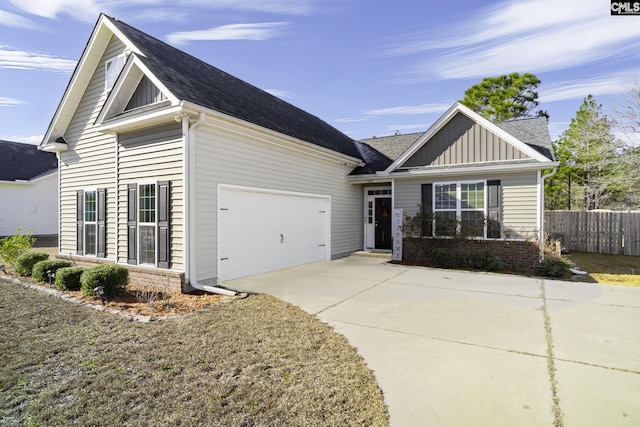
(608, 269)
(63, 364)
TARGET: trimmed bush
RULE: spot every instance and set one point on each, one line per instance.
(484, 260)
(112, 277)
(40, 269)
(554, 267)
(69, 278)
(25, 262)
(443, 258)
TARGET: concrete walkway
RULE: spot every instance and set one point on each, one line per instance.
(451, 348)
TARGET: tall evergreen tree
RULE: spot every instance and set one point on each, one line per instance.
(591, 175)
(505, 97)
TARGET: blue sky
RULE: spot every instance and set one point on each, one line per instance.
(367, 67)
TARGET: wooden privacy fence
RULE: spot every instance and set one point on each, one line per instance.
(605, 232)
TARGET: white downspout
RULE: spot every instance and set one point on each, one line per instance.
(541, 213)
(189, 131)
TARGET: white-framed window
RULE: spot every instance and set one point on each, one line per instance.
(459, 209)
(90, 222)
(149, 223)
(112, 68)
(147, 209)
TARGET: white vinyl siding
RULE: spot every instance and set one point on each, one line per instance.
(520, 211)
(153, 154)
(90, 161)
(236, 157)
(30, 205)
(519, 200)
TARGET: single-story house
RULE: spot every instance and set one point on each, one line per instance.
(28, 190)
(180, 170)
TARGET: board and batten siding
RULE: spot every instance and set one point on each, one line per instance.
(149, 156)
(31, 205)
(462, 140)
(519, 199)
(145, 94)
(90, 161)
(238, 157)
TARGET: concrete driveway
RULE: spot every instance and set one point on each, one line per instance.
(451, 348)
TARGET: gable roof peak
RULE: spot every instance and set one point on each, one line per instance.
(193, 80)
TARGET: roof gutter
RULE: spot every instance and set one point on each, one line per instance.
(189, 131)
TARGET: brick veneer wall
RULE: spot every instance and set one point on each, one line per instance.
(146, 277)
(513, 255)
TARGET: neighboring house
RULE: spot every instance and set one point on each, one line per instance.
(28, 190)
(193, 176)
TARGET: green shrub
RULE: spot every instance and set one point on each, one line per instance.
(443, 258)
(13, 246)
(40, 269)
(112, 277)
(69, 278)
(484, 260)
(554, 267)
(25, 262)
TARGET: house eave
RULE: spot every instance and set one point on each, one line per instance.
(274, 137)
(140, 121)
(30, 181)
(477, 169)
(54, 147)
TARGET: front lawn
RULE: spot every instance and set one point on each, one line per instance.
(608, 269)
(251, 362)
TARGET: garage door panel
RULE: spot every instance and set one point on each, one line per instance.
(262, 231)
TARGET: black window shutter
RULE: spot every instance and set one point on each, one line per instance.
(164, 229)
(494, 209)
(132, 223)
(101, 223)
(427, 211)
(79, 222)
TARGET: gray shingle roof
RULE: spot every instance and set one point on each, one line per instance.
(24, 161)
(393, 146)
(532, 131)
(193, 80)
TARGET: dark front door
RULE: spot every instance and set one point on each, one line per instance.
(383, 223)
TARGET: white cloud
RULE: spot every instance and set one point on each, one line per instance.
(352, 119)
(88, 10)
(611, 84)
(9, 19)
(10, 102)
(409, 110)
(23, 60)
(533, 35)
(280, 93)
(84, 10)
(255, 32)
(402, 110)
(33, 139)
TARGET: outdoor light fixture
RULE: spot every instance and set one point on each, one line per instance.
(52, 275)
(99, 290)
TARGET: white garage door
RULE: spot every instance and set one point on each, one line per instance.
(262, 230)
